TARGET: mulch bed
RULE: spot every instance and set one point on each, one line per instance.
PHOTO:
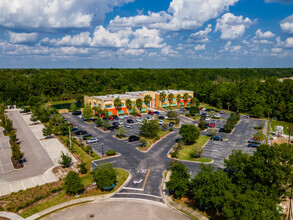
(16, 164)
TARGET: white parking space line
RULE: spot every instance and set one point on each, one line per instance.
(140, 194)
(1, 167)
(34, 181)
(1, 146)
(130, 188)
(23, 185)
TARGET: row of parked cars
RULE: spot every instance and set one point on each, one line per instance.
(85, 136)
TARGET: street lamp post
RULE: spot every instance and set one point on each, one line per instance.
(102, 149)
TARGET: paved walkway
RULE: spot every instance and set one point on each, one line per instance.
(175, 205)
(10, 215)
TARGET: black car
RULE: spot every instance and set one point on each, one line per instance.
(133, 138)
(85, 136)
(130, 121)
(222, 130)
(105, 118)
(74, 129)
(115, 117)
(112, 128)
(217, 138)
(115, 124)
(93, 119)
(76, 113)
(253, 145)
(80, 132)
(171, 124)
(161, 117)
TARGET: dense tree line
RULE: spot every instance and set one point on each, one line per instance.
(250, 187)
(255, 91)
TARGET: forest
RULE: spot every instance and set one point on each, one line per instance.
(254, 91)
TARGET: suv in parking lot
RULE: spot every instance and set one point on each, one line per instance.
(79, 132)
(217, 138)
(85, 136)
(92, 140)
(130, 121)
(115, 117)
(133, 138)
(171, 124)
(253, 145)
(76, 113)
(161, 117)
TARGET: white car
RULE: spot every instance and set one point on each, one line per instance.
(125, 116)
(139, 120)
(120, 122)
(161, 122)
(203, 109)
(92, 140)
(127, 125)
(217, 116)
(166, 117)
(208, 119)
(121, 117)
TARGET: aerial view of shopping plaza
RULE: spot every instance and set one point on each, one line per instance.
(146, 109)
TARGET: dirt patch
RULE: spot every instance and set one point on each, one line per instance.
(17, 164)
(281, 140)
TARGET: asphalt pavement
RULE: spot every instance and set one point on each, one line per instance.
(147, 168)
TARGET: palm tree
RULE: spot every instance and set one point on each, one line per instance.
(185, 97)
(138, 103)
(194, 101)
(128, 104)
(162, 97)
(228, 104)
(147, 100)
(170, 98)
(117, 104)
(178, 98)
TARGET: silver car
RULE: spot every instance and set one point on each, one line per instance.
(92, 140)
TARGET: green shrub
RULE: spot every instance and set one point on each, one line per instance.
(111, 153)
(156, 138)
(171, 129)
(174, 155)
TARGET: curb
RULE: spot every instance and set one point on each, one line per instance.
(10, 215)
(91, 199)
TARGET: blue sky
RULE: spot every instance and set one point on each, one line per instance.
(148, 34)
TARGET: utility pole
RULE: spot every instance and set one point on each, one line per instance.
(69, 137)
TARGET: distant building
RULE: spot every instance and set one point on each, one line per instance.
(107, 101)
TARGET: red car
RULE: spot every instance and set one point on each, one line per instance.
(150, 113)
(212, 125)
(70, 124)
(139, 115)
(110, 118)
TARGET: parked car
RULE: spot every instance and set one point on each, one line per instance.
(217, 138)
(161, 117)
(70, 124)
(76, 113)
(148, 118)
(121, 117)
(156, 112)
(93, 119)
(251, 141)
(105, 118)
(125, 116)
(253, 145)
(166, 117)
(130, 121)
(203, 109)
(161, 122)
(120, 122)
(110, 118)
(112, 128)
(92, 140)
(133, 138)
(217, 115)
(74, 129)
(207, 118)
(115, 123)
(138, 120)
(80, 132)
(127, 125)
(139, 115)
(212, 125)
(222, 130)
(171, 124)
(247, 116)
(115, 117)
(150, 113)
(222, 112)
(85, 136)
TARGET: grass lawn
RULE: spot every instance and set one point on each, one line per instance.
(282, 123)
(62, 102)
(151, 141)
(61, 197)
(184, 154)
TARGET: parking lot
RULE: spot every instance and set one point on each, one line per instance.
(5, 154)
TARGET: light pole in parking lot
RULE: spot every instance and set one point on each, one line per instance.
(69, 138)
(102, 149)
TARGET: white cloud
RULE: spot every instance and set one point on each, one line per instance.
(277, 50)
(75, 40)
(145, 38)
(232, 26)
(22, 37)
(230, 48)
(259, 34)
(51, 14)
(132, 52)
(289, 42)
(280, 1)
(200, 47)
(201, 36)
(263, 41)
(287, 25)
(182, 15)
(168, 51)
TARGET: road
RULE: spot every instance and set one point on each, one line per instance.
(147, 168)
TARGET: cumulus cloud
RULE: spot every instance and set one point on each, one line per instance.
(22, 37)
(277, 50)
(52, 14)
(200, 47)
(181, 15)
(259, 34)
(201, 36)
(280, 1)
(231, 26)
(102, 37)
(168, 51)
(287, 25)
(229, 47)
(289, 42)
